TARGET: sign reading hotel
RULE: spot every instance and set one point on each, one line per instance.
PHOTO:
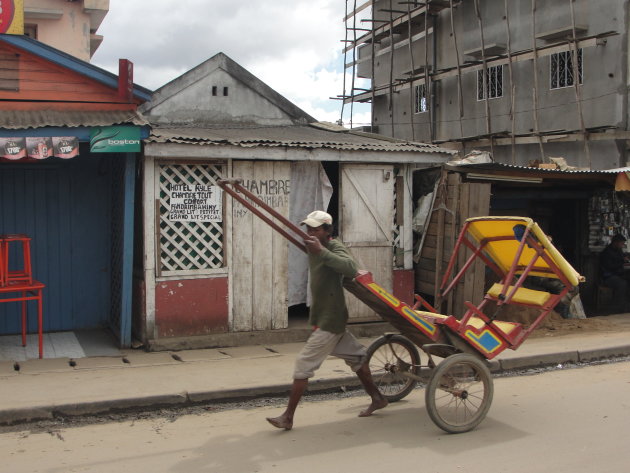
(12, 16)
(115, 139)
(195, 203)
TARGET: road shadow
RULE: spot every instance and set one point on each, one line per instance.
(405, 425)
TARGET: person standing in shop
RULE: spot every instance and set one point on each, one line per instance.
(613, 274)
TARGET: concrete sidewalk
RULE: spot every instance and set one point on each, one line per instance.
(48, 388)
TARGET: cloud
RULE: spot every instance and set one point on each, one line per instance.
(294, 46)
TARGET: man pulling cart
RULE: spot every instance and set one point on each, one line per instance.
(459, 389)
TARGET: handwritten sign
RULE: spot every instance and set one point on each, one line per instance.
(273, 192)
(195, 203)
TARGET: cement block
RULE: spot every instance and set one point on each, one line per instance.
(151, 359)
(239, 393)
(7, 368)
(28, 414)
(99, 362)
(46, 365)
(96, 407)
(494, 366)
(286, 348)
(595, 354)
(536, 361)
(200, 355)
(256, 351)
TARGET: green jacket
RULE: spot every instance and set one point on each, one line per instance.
(328, 268)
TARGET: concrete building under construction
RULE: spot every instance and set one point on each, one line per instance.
(524, 79)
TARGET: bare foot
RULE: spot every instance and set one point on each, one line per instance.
(280, 422)
(376, 405)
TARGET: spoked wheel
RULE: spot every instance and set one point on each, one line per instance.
(389, 357)
(459, 393)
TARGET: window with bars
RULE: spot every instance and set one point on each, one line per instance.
(420, 99)
(561, 68)
(189, 247)
(490, 84)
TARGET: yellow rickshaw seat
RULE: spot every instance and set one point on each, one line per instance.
(476, 322)
(522, 295)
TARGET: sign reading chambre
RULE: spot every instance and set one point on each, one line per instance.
(115, 139)
(195, 203)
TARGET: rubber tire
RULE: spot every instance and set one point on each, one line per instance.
(380, 348)
(461, 360)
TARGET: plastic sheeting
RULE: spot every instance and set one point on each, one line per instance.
(310, 190)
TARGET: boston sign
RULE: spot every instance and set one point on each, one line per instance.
(115, 139)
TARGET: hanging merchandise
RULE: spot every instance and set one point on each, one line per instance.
(14, 149)
(608, 215)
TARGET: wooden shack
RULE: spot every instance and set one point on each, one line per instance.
(223, 274)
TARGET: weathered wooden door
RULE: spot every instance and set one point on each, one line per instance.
(260, 254)
(367, 220)
(454, 203)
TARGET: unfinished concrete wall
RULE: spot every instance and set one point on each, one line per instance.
(527, 107)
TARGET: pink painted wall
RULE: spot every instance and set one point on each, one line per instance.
(191, 307)
(70, 33)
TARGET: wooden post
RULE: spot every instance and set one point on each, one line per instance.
(412, 97)
(460, 94)
(427, 82)
(512, 85)
(576, 85)
(535, 91)
(391, 67)
(373, 88)
(485, 77)
(354, 62)
(345, 61)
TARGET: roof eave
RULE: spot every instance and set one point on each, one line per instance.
(70, 62)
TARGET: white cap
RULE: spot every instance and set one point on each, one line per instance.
(317, 219)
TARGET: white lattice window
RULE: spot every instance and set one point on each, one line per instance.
(490, 84)
(190, 247)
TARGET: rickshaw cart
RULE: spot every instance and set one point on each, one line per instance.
(459, 389)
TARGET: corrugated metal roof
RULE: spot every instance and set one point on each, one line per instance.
(310, 136)
(476, 167)
(22, 119)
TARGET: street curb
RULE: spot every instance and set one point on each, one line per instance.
(30, 414)
(597, 354)
(538, 361)
(271, 390)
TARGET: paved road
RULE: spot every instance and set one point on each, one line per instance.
(573, 420)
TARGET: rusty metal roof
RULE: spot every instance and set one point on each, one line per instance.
(311, 136)
(23, 119)
(489, 167)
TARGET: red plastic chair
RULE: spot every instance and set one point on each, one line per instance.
(21, 281)
(23, 274)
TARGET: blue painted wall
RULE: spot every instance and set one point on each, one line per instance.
(65, 206)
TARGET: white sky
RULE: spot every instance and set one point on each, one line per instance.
(294, 46)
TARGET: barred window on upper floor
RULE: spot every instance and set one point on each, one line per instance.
(562, 69)
(420, 99)
(490, 84)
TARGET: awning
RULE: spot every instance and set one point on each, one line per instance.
(622, 183)
(25, 119)
(42, 147)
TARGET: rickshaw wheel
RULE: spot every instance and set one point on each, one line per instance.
(459, 393)
(389, 357)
